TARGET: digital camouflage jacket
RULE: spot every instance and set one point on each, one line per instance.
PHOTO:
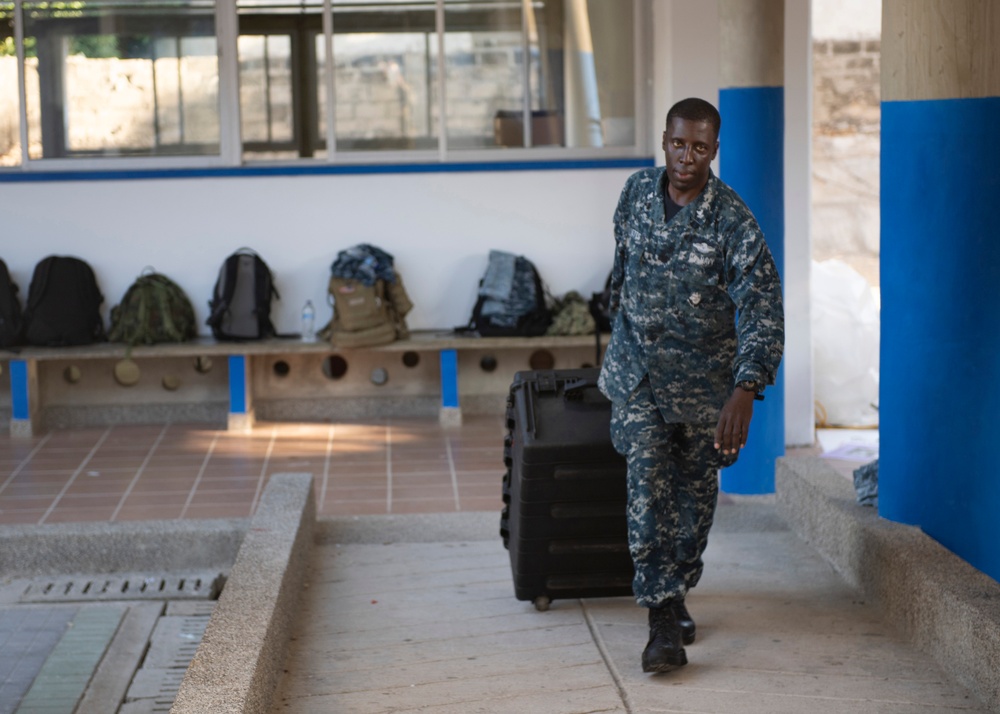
(677, 287)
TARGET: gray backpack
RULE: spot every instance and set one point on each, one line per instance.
(241, 302)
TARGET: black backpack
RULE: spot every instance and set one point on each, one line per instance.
(241, 302)
(64, 304)
(600, 307)
(11, 320)
(511, 299)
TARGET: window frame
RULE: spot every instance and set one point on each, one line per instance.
(231, 159)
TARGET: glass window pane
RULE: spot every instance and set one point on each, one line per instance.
(321, 92)
(10, 136)
(280, 69)
(265, 88)
(485, 73)
(576, 56)
(123, 78)
(383, 66)
(613, 71)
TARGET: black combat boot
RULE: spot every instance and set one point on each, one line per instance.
(685, 621)
(663, 651)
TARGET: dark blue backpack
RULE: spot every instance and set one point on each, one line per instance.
(511, 300)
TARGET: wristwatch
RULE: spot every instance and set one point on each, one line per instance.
(748, 385)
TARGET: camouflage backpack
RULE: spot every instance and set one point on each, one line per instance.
(154, 309)
(571, 316)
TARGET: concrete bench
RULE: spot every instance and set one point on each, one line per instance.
(254, 369)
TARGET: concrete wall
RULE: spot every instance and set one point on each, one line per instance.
(846, 144)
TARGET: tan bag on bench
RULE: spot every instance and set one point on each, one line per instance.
(367, 315)
(357, 306)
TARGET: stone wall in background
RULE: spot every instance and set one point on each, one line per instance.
(845, 162)
(10, 142)
(111, 101)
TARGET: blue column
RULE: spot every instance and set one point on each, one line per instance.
(238, 384)
(19, 390)
(940, 272)
(449, 379)
(940, 343)
(751, 160)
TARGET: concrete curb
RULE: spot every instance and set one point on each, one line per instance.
(156, 546)
(947, 607)
(410, 528)
(236, 667)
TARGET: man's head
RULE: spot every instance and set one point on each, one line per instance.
(690, 143)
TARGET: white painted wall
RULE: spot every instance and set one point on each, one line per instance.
(439, 227)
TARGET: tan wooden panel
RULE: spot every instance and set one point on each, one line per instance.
(940, 49)
(751, 43)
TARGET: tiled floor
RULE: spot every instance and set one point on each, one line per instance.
(124, 473)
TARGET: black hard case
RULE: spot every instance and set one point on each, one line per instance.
(564, 490)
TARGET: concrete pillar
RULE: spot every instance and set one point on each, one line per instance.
(940, 268)
(800, 415)
(751, 160)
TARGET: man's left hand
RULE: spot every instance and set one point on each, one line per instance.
(734, 422)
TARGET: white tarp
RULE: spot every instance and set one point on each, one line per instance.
(845, 333)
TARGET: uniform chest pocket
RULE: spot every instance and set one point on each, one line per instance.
(696, 272)
(695, 296)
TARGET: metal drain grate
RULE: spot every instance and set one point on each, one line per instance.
(172, 645)
(131, 586)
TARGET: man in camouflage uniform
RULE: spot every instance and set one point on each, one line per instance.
(681, 372)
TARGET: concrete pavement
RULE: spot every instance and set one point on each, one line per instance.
(417, 614)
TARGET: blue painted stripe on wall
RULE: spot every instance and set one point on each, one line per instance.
(752, 161)
(940, 346)
(449, 378)
(319, 169)
(19, 389)
(237, 384)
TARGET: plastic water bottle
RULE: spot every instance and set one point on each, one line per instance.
(308, 322)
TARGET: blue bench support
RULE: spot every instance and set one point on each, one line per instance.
(451, 411)
(24, 398)
(241, 416)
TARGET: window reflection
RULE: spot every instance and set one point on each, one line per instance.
(10, 123)
(121, 78)
(385, 75)
(485, 65)
(141, 77)
(385, 96)
(281, 77)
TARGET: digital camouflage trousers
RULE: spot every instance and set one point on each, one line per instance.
(673, 487)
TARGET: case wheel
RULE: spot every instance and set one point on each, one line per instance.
(542, 603)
